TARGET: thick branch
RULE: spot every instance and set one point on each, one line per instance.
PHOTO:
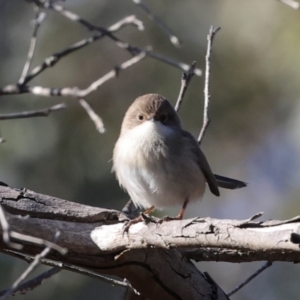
(153, 272)
(151, 256)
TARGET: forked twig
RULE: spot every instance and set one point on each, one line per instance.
(75, 269)
(130, 48)
(56, 57)
(185, 80)
(29, 269)
(71, 91)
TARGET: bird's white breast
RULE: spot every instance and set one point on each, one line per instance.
(143, 167)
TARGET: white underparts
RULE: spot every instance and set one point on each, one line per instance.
(150, 174)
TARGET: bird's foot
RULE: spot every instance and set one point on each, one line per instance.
(167, 219)
(141, 218)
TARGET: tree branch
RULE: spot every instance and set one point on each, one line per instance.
(185, 80)
(206, 120)
(94, 238)
(173, 38)
(70, 91)
(34, 113)
(255, 274)
(33, 283)
(40, 16)
(56, 57)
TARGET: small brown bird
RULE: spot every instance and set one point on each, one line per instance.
(159, 163)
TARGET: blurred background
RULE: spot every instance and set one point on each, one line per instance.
(253, 136)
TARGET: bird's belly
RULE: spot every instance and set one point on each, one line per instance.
(151, 174)
(161, 186)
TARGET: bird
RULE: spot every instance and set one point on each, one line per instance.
(159, 163)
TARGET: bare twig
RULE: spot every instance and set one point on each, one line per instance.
(40, 16)
(33, 283)
(6, 231)
(293, 4)
(130, 48)
(113, 73)
(75, 269)
(76, 18)
(185, 80)
(35, 240)
(14, 89)
(177, 64)
(8, 234)
(173, 38)
(55, 58)
(206, 120)
(34, 113)
(260, 270)
(93, 116)
(90, 273)
(29, 269)
(71, 91)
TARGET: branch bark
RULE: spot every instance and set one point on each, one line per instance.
(154, 258)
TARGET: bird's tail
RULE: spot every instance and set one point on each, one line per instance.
(229, 183)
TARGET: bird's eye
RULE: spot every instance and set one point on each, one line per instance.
(141, 117)
(164, 118)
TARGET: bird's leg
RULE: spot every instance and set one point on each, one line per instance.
(179, 216)
(138, 219)
(149, 210)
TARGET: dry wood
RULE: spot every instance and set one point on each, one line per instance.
(154, 258)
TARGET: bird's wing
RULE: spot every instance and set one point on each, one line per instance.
(203, 163)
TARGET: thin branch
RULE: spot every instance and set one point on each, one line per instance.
(113, 73)
(76, 18)
(130, 48)
(34, 113)
(185, 80)
(29, 269)
(71, 91)
(8, 234)
(38, 241)
(90, 273)
(17, 89)
(260, 270)
(40, 16)
(55, 58)
(93, 116)
(33, 283)
(76, 269)
(173, 38)
(177, 64)
(293, 4)
(6, 231)
(206, 120)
